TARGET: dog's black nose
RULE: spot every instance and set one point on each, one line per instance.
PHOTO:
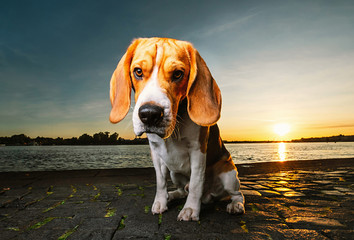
(150, 114)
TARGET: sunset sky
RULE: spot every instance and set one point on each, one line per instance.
(289, 62)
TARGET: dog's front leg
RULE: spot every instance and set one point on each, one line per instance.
(191, 209)
(160, 203)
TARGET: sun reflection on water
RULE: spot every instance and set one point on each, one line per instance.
(282, 151)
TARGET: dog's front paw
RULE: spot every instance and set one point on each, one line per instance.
(188, 214)
(158, 207)
(235, 208)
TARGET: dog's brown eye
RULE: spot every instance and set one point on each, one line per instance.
(138, 73)
(177, 75)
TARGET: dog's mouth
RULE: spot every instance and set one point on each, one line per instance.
(163, 131)
(158, 131)
(152, 118)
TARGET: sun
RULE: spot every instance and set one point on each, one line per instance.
(281, 129)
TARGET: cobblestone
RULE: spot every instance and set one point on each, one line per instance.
(283, 200)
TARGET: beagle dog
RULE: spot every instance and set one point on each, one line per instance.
(177, 105)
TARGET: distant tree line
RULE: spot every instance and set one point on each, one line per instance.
(105, 138)
(339, 138)
(101, 138)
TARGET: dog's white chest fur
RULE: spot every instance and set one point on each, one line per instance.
(175, 151)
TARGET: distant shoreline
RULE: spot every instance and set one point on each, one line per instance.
(114, 139)
(146, 144)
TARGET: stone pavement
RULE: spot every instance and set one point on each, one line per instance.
(284, 200)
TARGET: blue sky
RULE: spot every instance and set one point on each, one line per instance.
(275, 62)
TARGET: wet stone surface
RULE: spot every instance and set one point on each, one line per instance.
(284, 204)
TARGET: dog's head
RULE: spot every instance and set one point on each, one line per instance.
(162, 73)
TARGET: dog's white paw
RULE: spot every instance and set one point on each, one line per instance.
(235, 208)
(158, 208)
(188, 214)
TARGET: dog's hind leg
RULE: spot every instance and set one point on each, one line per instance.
(231, 185)
(181, 183)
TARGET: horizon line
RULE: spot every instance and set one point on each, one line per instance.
(226, 141)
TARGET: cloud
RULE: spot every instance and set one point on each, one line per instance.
(333, 126)
(225, 25)
(15, 58)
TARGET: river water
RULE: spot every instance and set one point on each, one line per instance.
(35, 158)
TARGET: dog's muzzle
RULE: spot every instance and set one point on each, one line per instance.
(151, 116)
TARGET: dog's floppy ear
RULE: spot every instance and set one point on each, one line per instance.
(121, 86)
(203, 94)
